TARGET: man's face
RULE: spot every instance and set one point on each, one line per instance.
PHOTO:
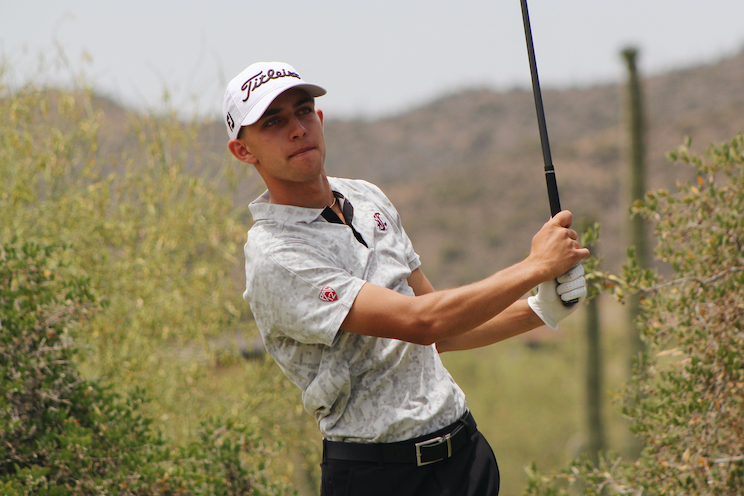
(287, 144)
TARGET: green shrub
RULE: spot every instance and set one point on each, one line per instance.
(61, 434)
(150, 217)
(686, 397)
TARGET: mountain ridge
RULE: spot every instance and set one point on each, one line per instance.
(465, 170)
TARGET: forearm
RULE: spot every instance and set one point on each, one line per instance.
(518, 318)
(454, 312)
(435, 316)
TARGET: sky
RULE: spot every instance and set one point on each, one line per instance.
(376, 58)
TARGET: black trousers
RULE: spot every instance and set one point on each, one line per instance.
(471, 471)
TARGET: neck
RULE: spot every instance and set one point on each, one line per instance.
(312, 194)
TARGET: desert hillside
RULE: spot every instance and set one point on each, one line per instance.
(465, 171)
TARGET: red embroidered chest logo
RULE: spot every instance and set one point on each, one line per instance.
(381, 224)
(328, 294)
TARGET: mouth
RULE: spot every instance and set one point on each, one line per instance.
(302, 151)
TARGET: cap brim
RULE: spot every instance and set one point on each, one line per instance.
(260, 107)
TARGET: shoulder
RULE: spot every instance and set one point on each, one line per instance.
(357, 186)
(359, 189)
(274, 244)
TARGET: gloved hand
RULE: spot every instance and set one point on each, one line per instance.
(548, 304)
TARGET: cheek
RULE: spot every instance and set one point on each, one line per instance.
(263, 151)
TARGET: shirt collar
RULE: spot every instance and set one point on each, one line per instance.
(261, 209)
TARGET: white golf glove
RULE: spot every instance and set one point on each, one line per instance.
(548, 304)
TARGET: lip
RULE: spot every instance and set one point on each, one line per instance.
(302, 151)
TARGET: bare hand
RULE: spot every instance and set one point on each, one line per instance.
(555, 248)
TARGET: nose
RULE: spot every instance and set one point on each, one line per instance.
(297, 129)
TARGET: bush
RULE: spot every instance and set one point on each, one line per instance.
(150, 217)
(686, 397)
(61, 434)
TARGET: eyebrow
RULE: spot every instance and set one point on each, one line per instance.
(300, 102)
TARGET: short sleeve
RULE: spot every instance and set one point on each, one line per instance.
(298, 292)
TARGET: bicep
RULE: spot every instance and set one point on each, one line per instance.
(382, 312)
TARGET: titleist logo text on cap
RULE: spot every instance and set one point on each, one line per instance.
(255, 81)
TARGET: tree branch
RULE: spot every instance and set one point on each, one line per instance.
(729, 459)
(702, 282)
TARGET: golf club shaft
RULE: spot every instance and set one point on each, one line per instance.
(555, 203)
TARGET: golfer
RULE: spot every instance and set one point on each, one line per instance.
(344, 308)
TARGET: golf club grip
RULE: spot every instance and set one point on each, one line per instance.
(555, 201)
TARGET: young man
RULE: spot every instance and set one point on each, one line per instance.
(346, 311)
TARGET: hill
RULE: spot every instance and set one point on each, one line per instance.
(465, 171)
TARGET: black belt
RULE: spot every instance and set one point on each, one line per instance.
(423, 450)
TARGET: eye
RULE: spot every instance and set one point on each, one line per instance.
(271, 122)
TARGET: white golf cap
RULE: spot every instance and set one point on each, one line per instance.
(251, 92)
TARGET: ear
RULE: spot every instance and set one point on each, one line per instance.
(320, 115)
(241, 152)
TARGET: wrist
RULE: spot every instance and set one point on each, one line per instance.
(541, 313)
(536, 271)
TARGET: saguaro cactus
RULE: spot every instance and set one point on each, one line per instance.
(637, 185)
(636, 229)
(594, 379)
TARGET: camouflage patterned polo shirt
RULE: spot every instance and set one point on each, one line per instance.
(302, 276)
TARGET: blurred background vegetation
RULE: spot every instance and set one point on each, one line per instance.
(152, 213)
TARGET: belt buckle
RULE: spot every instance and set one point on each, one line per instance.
(433, 442)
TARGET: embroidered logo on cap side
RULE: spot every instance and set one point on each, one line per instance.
(328, 294)
(380, 220)
(230, 122)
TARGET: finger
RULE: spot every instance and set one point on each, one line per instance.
(563, 218)
(575, 271)
(575, 294)
(569, 286)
